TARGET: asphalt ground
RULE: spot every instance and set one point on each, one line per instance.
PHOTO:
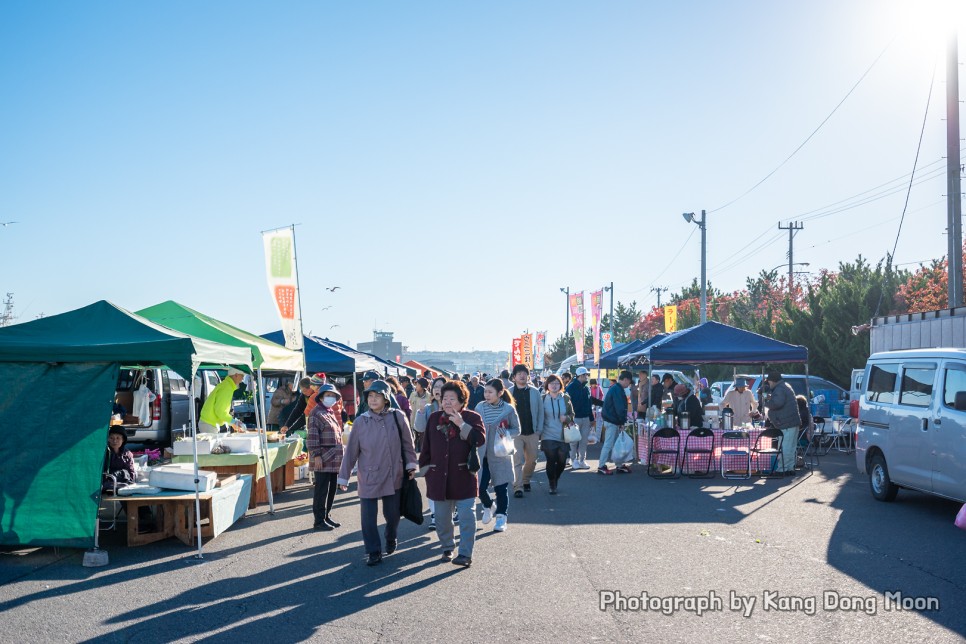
(795, 547)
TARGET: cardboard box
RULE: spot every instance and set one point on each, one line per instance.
(131, 420)
(181, 476)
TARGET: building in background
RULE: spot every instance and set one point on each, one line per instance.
(382, 346)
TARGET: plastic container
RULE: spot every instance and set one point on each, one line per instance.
(181, 476)
(242, 443)
(184, 448)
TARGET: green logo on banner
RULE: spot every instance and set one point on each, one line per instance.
(281, 257)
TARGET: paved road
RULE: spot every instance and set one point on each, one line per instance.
(272, 579)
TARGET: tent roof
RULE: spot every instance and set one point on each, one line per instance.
(320, 356)
(409, 371)
(381, 363)
(104, 332)
(716, 343)
(419, 366)
(265, 354)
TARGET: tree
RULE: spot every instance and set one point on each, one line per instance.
(625, 317)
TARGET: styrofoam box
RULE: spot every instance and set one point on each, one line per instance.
(181, 476)
(241, 443)
(301, 472)
(183, 448)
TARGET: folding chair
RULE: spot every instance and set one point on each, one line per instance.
(820, 440)
(843, 435)
(696, 442)
(735, 445)
(772, 452)
(802, 452)
(655, 454)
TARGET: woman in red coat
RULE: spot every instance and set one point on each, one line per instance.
(451, 434)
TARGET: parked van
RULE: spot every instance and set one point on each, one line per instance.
(169, 411)
(912, 423)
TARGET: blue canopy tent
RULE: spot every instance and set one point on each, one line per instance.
(382, 366)
(716, 343)
(320, 356)
(610, 360)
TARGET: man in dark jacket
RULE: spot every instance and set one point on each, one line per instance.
(582, 401)
(476, 392)
(783, 414)
(616, 404)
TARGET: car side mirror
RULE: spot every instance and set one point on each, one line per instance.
(960, 402)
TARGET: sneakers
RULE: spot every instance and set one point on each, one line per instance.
(456, 517)
(580, 465)
(500, 523)
(603, 470)
(518, 494)
(447, 555)
(322, 527)
(553, 490)
(526, 487)
(432, 522)
(487, 514)
(390, 546)
(332, 523)
(624, 469)
(466, 562)
(374, 558)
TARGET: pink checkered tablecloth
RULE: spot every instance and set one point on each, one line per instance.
(697, 462)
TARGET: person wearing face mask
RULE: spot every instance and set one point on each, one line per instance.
(324, 445)
(616, 404)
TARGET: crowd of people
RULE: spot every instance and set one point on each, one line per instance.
(474, 437)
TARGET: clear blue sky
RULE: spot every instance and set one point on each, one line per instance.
(452, 165)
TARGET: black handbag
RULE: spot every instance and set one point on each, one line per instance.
(410, 498)
(473, 461)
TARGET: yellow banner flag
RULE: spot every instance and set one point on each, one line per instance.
(670, 318)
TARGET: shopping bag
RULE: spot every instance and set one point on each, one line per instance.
(593, 437)
(411, 502)
(623, 451)
(961, 518)
(571, 434)
(504, 447)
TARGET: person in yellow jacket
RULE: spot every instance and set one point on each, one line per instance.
(216, 414)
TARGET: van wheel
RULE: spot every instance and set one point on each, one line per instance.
(883, 489)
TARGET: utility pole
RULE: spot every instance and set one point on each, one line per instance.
(954, 205)
(658, 290)
(611, 289)
(792, 228)
(6, 318)
(690, 218)
(566, 291)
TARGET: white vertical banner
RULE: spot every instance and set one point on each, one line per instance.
(283, 282)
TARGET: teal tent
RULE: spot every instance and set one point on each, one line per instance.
(57, 381)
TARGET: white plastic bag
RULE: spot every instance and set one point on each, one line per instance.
(504, 447)
(593, 437)
(623, 451)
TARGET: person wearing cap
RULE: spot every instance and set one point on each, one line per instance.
(324, 445)
(689, 404)
(368, 378)
(216, 413)
(582, 403)
(300, 413)
(381, 444)
(783, 414)
(616, 407)
(741, 402)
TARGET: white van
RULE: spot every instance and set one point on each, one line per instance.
(912, 423)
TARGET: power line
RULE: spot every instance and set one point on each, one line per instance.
(814, 132)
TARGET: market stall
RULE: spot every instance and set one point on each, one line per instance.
(53, 446)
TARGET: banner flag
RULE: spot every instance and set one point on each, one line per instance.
(517, 352)
(283, 283)
(577, 322)
(539, 349)
(671, 318)
(526, 348)
(607, 340)
(596, 311)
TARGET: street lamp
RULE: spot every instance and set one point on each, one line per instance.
(611, 289)
(790, 271)
(566, 291)
(690, 218)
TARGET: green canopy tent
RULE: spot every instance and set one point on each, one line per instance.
(57, 380)
(264, 353)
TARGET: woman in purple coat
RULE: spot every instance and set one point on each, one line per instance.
(382, 444)
(451, 434)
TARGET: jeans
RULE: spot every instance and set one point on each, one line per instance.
(611, 432)
(501, 491)
(444, 524)
(580, 448)
(370, 532)
(789, 442)
(556, 453)
(525, 460)
(324, 495)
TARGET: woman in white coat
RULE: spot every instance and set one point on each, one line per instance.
(501, 421)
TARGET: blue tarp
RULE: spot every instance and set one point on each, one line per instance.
(322, 357)
(610, 359)
(716, 343)
(381, 366)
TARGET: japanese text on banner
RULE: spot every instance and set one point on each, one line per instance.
(282, 275)
(539, 349)
(577, 322)
(526, 347)
(596, 309)
(671, 318)
(517, 351)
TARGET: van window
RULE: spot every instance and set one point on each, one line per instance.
(916, 387)
(882, 383)
(955, 381)
(177, 383)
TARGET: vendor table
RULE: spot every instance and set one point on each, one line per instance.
(695, 461)
(278, 455)
(175, 512)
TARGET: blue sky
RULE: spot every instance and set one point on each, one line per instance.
(452, 165)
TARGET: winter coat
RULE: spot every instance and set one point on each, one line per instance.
(579, 394)
(782, 407)
(324, 439)
(553, 428)
(501, 468)
(374, 445)
(417, 402)
(403, 403)
(281, 399)
(615, 405)
(449, 449)
(536, 406)
(476, 396)
(692, 406)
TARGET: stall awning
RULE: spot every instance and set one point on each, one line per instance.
(716, 343)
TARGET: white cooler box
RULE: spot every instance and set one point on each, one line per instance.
(242, 443)
(181, 476)
(184, 448)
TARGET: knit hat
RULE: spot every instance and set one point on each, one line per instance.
(315, 381)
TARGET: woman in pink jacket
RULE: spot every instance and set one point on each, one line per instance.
(324, 445)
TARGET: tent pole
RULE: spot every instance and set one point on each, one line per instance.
(355, 397)
(194, 454)
(263, 440)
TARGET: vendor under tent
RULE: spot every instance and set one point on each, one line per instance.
(264, 353)
(53, 448)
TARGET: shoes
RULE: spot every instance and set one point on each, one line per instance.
(390, 546)
(500, 523)
(487, 514)
(624, 469)
(374, 558)
(603, 470)
(526, 487)
(332, 523)
(518, 494)
(322, 527)
(432, 522)
(570, 464)
(582, 465)
(553, 490)
(456, 517)
(447, 555)
(466, 562)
